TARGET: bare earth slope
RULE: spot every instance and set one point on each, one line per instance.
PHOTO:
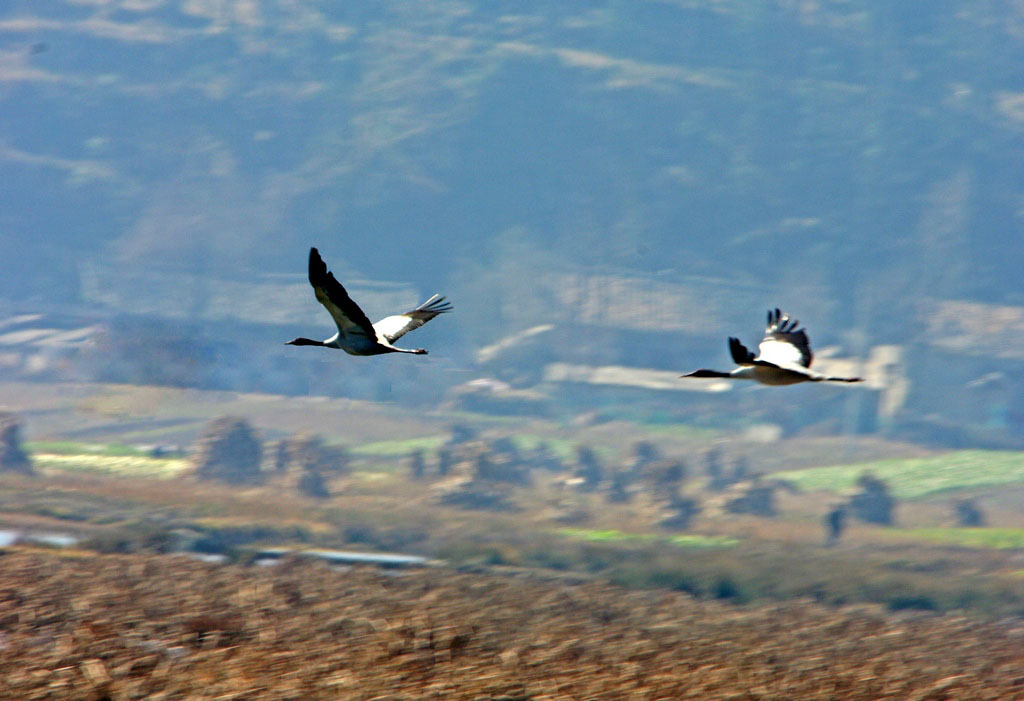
(157, 626)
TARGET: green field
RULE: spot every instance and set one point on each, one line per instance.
(686, 540)
(126, 465)
(400, 448)
(915, 478)
(78, 448)
(997, 538)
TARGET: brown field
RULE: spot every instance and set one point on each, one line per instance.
(86, 626)
(523, 608)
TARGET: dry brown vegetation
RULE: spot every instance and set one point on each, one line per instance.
(141, 626)
(527, 607)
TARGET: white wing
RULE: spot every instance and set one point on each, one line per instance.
(781, 353)
(392, 328)
(783, 344)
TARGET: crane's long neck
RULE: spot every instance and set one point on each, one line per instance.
(305, 342)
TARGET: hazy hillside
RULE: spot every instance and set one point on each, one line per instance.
(622, 171)
(852, 143)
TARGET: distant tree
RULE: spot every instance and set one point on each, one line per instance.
(717, 477)
(682, 511)
(492, 462)
(445, 461)
(873, 503)
(504, 446)
(644, 453)
(12, 457)
(663, 474)
(758, 500)
(969, 514)
(740, 469)
(588, 467)
(618, 492)
(461, 433)
(308, 453)
(484, 496)
(229, 451)
(417, 464)
(313, 484)
(545, 458)
(835, 524)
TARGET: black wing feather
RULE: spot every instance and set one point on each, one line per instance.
(323, 279)
(740, 354)
(431, 308)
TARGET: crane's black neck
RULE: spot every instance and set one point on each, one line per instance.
(703, 372)
(305, 342)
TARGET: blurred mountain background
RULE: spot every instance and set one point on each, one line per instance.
(646, 177)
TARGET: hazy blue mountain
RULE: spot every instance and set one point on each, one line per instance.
(863, 150)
